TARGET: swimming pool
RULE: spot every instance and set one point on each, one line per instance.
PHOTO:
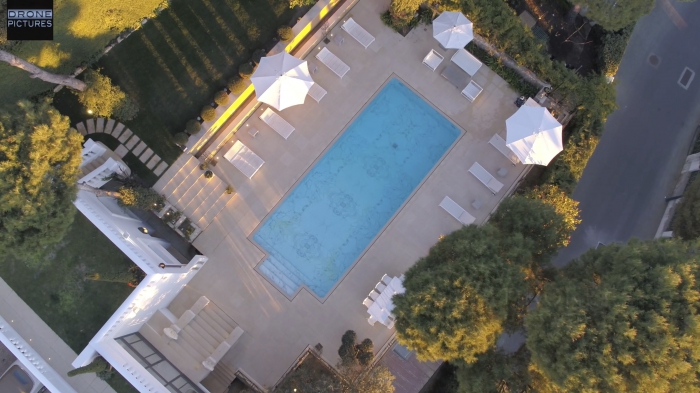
(335, 211)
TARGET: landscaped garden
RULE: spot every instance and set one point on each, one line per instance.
(175, 63)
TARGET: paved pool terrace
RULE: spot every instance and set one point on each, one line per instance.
(277, 329)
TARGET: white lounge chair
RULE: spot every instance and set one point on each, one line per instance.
(500, 145)
(472, 91)
(357, 32)
(333, 62)
(277, 123)
(373, 295)
(486, 178)
(386, 279)
(317, 92)
(380, 287)
(433, 59)
(368, 302)
(244, 159)
(466, 61)
(456, 211)
(371, 320)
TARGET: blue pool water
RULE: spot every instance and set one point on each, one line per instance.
(333, 214)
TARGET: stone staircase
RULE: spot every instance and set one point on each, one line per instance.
(283, 274)
(198, 198)
(219, 380)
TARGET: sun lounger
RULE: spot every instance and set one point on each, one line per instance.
(500, 145)
(472, 91)
(244, 159)
(455, 75)
(317, 92)
(456, 211)
(277, 123)
(357, 32)
(486, 178)
(466, 61)
(433, 59)
(333, 62)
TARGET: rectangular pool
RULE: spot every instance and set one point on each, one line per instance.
(335, 211)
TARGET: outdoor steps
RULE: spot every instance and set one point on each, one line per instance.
(218, 206)
(220, 379)
(210, 199)
(288, 278)
(188, 165)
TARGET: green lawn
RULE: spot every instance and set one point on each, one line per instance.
(82, 28)
(75, 308)
(174, 64)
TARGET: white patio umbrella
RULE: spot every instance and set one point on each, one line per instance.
(534, 135)
(282, 80)
(453, 30)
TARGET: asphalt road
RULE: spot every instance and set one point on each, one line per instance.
(641, 153)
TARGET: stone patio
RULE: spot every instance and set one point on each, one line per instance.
(277, 329)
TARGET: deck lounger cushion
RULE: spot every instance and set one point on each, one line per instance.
(466, 61)
(486, 178)
(277, 123)
(317, 92)
(244, 159)
(455, 75)
(472, 91)
(456, 211)
(500, 145)
(333, 62)
(433, 59)
(357, 32)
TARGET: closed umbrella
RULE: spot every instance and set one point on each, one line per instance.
(534, 135)
(453, 30)
(282, 81)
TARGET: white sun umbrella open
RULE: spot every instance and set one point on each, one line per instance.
(453, 30)
(534, 135)
(282, 81)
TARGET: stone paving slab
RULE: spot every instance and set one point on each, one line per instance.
(132, 142)
(139, 148)
(146, 155)
(118, 130)
(109, 126)
(121, 151)
(160, 168)
(153, 161)
(125, 135)
(100, 125)
(81, 128)
(90, 126)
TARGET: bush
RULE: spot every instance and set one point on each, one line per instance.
(302, 3)
(193, 127)
(229, 190)
(285, 33)
(140, 197)
(105, 99)
(221, 98)
(237, 85)
(208, 113)
(126, 110)
(686, 223)
(257, 55)
(614, 45)
(208, 174)
(180, 139)
(245, 70)
(96, 366)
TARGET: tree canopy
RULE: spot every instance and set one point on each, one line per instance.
(686, 223)
(615, 15)
(622, 319)
(459, 297)
(39, 159)
(105, 99)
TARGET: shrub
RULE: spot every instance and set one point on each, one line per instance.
(686, 224)
(105, 99)
(229, 190)
(614, 45)
(257, 55)
(140, 197)
(302, 3)
(180, 139)
(203, 166)
(208, 174)
(245, 70)
(285, 33)
(96, 366)
(208, 113)
(193, 127)
(237, 85)
(221, 98)
(126, 110)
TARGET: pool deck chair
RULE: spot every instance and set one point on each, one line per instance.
(500, 145)
(277, 123)
(466, 61)
(244, 159)
(457, 211)
(433, 59)
(486, 178)
(357, 32)
(472, 91)
(333, 62)
(317, 92)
